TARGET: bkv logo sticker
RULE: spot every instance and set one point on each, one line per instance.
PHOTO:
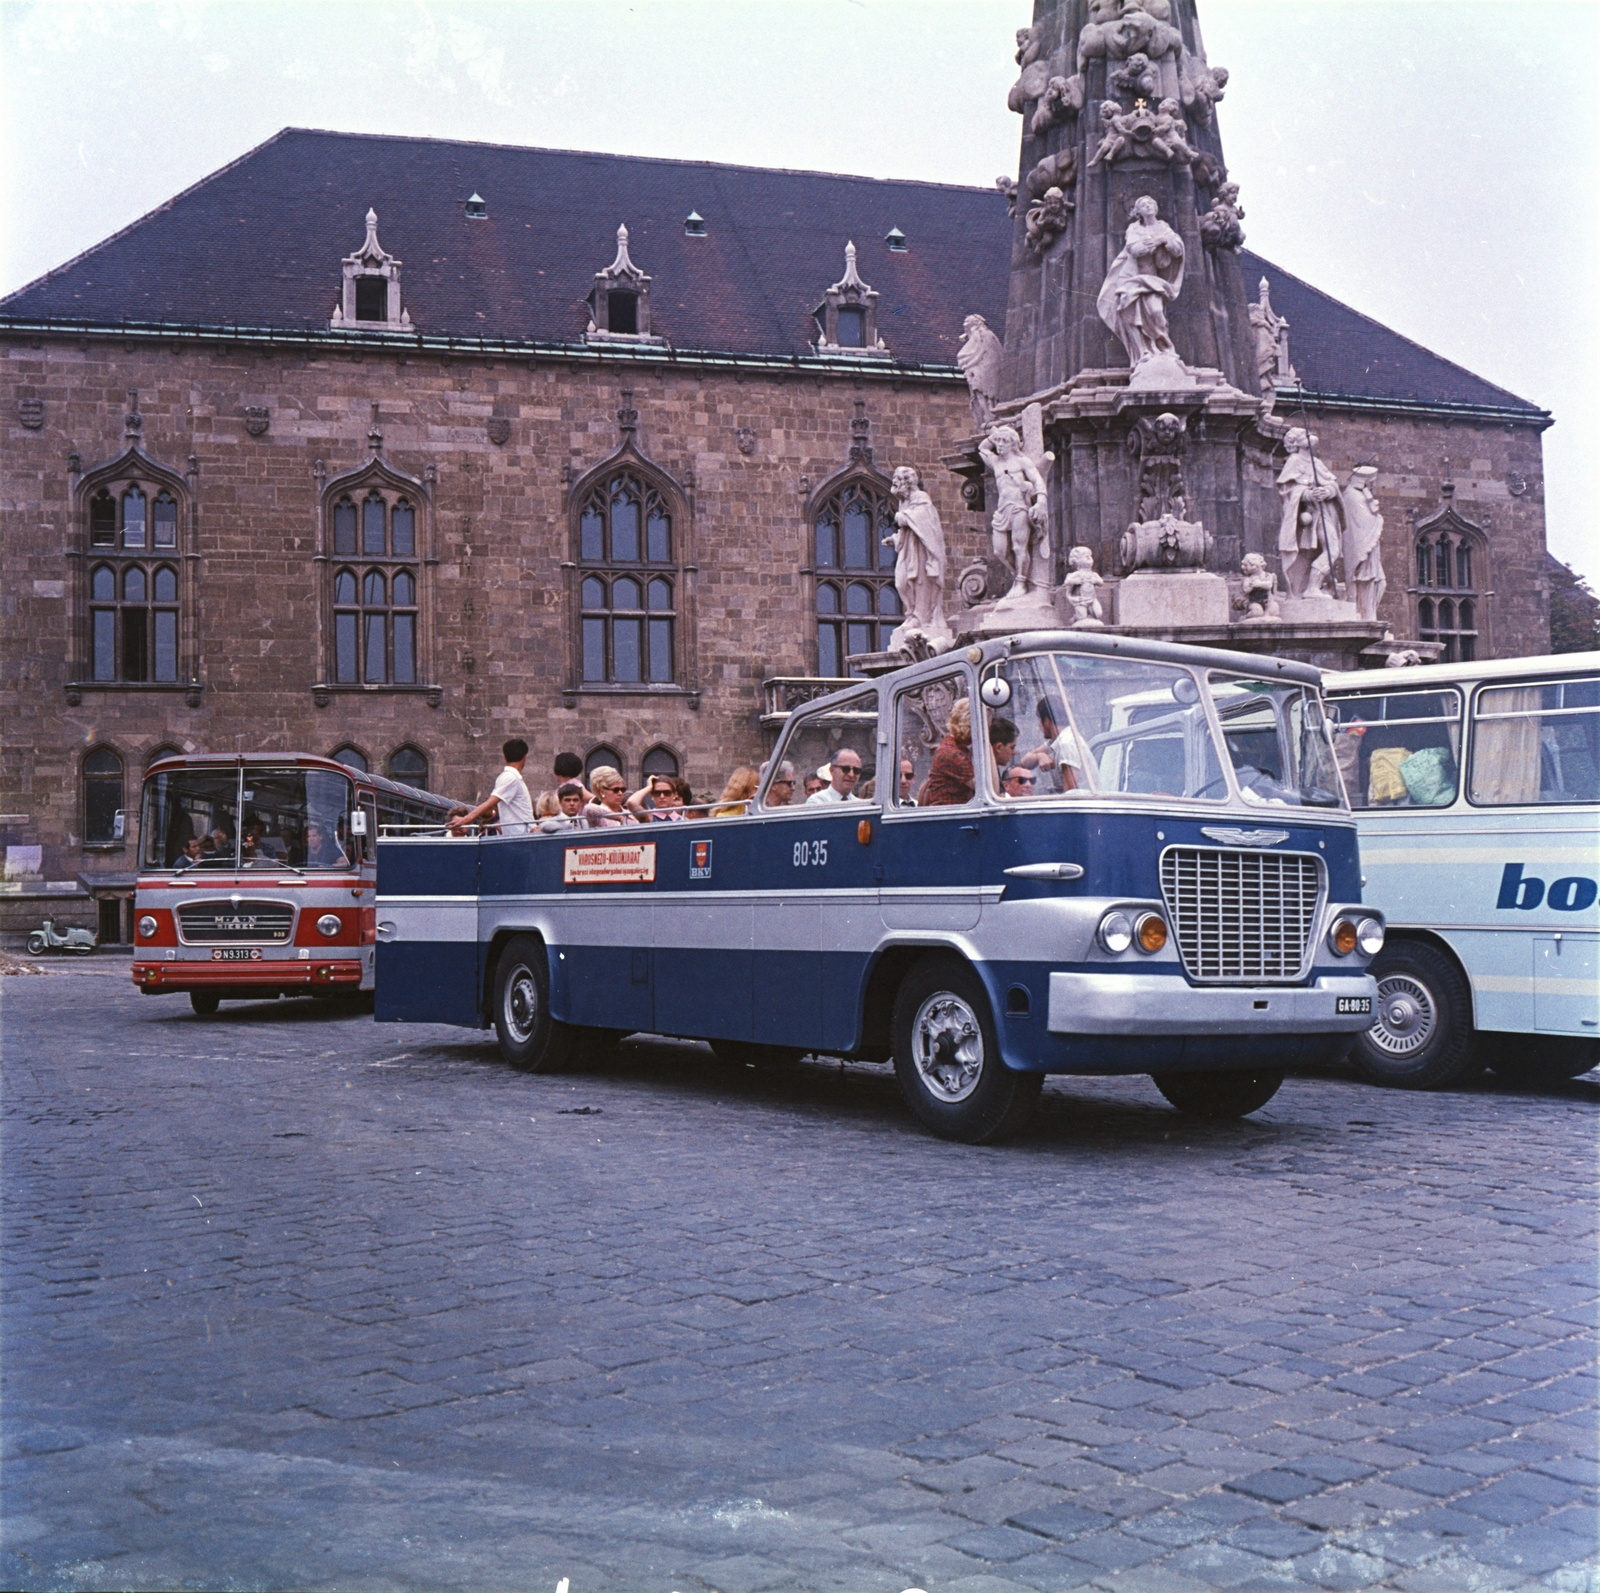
(700, 860)
(1569, 895)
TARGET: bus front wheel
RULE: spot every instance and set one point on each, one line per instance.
(1421, 1034)
(530, 1039)
(947, 1057)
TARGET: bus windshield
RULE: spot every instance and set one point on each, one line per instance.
(246, 818)
(1277, 740)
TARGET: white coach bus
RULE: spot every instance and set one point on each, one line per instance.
(1476, 787)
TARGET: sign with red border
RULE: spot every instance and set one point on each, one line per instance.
(613, 864)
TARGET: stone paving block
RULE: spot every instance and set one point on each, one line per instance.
(1216, 1565)
(1276, 1486)
(1062, 1520)
(995, 1543)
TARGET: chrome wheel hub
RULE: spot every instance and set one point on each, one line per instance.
(1407, 1016)
(947, 1047)
(522, 1006)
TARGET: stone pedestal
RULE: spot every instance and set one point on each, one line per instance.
(1318, 610)
(1022, 611)
(1147, 600)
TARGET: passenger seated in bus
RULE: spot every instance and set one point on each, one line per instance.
(844, 773)
(657, 791)
(668, 798)
(781, 792)
(908, 778)
(736, 794)
(322, 847)
(569, 766)
(1002, 743)
(950, 781)
(193, 850)
(814, 783)
(1017, 781)
(607, 810)
(568, 800)
(545, 805)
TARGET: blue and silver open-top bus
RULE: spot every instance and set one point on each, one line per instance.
(1477, 792)
(1176, 892)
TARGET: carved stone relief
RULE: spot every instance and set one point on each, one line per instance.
(30, 413)
(498, 428)
(746, 439)
(256, 420)
(1143, 134)
(1219, 226)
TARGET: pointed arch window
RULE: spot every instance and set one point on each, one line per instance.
(857, 607)
(375, 595)
(1449, 563)
(628, 584)
(408, 765)
(102, 796)
(134, 607)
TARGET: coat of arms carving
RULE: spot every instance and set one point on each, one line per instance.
(746, 439)
(256, 420)
(499, 429)
(30, 411)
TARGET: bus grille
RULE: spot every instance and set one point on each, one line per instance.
(1240, 916)
(225, 923)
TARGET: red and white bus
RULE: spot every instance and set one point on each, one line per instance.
(258, 874)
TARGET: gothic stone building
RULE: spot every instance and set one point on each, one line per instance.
(281, 473)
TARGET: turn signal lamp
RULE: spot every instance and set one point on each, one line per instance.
(1150, 933)
(1343, 937)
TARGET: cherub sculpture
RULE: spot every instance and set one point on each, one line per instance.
(1136, 78)
(1260, 588)
(1169, 134)
(1047, 219)
(1018, 525)
(1080, 587)
(1061, 101)
(1203, 86)
(1219, 226)
(1115, 137)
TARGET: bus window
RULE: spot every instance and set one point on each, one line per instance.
(190, 819)
(925, 719)
(1398, 748)
(1536, 743)
(1277, 738)
(812, 739)
(294, 816)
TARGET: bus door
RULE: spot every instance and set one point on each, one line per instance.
(931, 868)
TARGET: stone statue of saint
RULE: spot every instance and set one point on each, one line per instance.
(1271, 334)
(1311, 532)
(1363, 539)
(1142, 281)
(1018, 525)
(918, 544)
(979, 359)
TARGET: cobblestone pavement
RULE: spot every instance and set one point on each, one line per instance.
(292, 1300)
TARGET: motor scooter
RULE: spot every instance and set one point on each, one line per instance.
(82, 941)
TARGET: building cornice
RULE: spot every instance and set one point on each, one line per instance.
(1290, 398)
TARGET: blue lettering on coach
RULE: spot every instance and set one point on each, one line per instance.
(1569, 895)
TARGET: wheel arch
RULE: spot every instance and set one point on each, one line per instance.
(492, 953)
(892, 962)
(1431, 937)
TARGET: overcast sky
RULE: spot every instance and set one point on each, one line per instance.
(1419, 159)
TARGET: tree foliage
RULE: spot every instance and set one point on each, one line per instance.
(1574, 611)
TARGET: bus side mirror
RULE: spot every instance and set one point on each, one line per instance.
(358, 822)
(119, 825)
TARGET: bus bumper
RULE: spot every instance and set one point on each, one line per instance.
(155, 978)
(1153, 1005)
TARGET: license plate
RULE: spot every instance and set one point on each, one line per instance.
(253, 954)
(1361, 1005)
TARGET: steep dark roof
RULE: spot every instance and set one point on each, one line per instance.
(258, 244)
(1335, 349)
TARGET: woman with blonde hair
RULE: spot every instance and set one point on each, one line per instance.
(736, 794)
(609, 790)
(950, 780)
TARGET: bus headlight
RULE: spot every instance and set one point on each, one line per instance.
(147, 926)
(329, 924)
(1150, 933)
(1115, 933)
(1369, 937)
(1343, 937)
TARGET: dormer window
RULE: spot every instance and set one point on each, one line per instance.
(619, 306)
(477, 208)
(371, 295)
(694, 225)
(847, 318)
(896, 240)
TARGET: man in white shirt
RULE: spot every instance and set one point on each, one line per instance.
(843, 774)
(509, 800)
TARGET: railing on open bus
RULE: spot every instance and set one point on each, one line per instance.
(436, 830)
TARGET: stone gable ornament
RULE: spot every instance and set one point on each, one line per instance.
(498, 428)
(979, 359)
(1144, 278)
(256, 420)
(919, 566)
(30, 413)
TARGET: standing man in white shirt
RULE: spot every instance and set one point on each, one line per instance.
(509, 801)
(843, 773)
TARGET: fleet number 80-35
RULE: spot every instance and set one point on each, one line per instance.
(810, 854)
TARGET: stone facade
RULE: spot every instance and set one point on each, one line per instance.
(499, 614)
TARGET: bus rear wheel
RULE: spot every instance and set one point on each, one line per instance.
(530, 1039)
(947, 1057)
(1235, 1092)
(204, 1002)
(1421, 1034)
